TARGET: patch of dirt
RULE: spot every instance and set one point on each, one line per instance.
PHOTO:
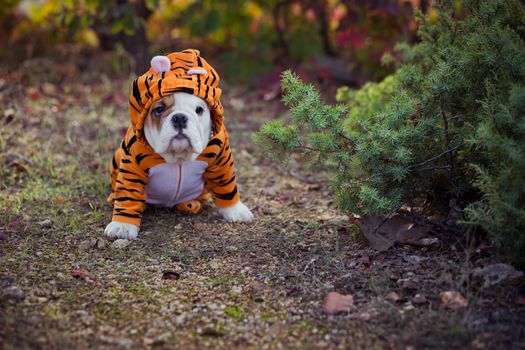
(198, 282)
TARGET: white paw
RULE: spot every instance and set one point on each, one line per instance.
(237, 213)
(121, 230)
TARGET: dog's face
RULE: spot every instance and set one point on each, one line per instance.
(178, 126)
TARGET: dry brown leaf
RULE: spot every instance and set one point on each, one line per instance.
(392, 296)
(335, 303)
(364, 315)
(79, 274)
(498, 274)
(453, 299)
(382, 236)
(170, 275)
(419, 299)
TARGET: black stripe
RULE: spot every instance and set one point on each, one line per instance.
(136, 93)
(137, 181)
(227, 160)
(124, 147)
(124, 171)
(198, 84)
(227, 182)
(215, 141)
(214, 77)
(181, 89)
(160, 87)
(199, 62)
(217, 178)
(126, 161)
(206, 95)
(132, 190)
(227, 196)
(131, 199)
(119, 182)
(148, 93)
(141, 156)
(209, 155)
(114, 162)
(132, 140)
(132, 105)
(129, 215)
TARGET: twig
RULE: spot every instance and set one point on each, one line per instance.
(448, 140)
(418, 219)
(307, 267)
(436, 157)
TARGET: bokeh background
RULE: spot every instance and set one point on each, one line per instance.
(335, 41)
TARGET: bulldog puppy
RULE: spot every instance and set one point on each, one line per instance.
(176, 152)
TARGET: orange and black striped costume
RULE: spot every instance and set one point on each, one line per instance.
(134, 159)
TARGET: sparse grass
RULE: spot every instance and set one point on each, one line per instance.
(240, 286)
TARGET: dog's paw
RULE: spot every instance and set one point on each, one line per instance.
(237, 213)
(121, 230)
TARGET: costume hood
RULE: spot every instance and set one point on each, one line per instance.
(184, 71)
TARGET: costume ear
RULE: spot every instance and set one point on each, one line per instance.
(160, 64)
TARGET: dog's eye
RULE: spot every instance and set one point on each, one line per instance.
(199, 110)
(158, 111)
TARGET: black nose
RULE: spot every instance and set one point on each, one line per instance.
(179, 121)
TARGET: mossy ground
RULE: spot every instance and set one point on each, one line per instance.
(240, 286)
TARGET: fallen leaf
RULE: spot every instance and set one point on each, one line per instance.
(407, 283)
(281, 198)
(392, 296)
(453, 299)
(60, 201)
(364, 315)
(170, 275)
(199, 226)
(382, 235)
(335, 303)
(79, 274)
(498, 274)
(419, 299)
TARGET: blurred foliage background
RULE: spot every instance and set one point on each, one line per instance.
(326, 40)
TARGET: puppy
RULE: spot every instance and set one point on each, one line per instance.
(176, 152)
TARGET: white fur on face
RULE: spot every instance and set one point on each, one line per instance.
(161, 134)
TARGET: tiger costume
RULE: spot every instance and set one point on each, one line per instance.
(137, 172)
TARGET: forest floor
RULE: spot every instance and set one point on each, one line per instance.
(193, 282)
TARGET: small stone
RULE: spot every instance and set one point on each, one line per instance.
(14, 293)
(120, 243)
(414, 259)
(81, 313)
(428, 241)
(47, 223)
(236, 290)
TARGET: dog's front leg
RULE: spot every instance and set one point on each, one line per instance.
(238, 212)
(121, 230)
